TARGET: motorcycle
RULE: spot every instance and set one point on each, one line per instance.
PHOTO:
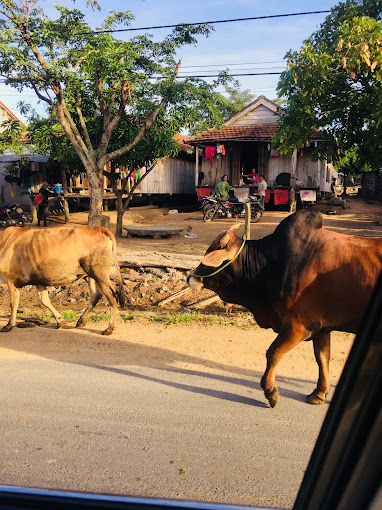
(12, 215)
(213, 207)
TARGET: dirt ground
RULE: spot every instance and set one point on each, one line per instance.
(208, 341)
(146, 287)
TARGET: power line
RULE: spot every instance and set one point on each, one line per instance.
(210, 75)
(235, 74)
(238, 64)
(207, 22)
(242, 69)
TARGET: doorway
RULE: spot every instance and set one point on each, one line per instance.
(249, 157)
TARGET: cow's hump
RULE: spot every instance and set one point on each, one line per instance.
(301, 224)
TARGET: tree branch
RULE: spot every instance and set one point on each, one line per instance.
(137, 183)
(85, 132)
(145, 126)
(110, 125)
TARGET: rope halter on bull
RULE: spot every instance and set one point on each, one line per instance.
(246, 237)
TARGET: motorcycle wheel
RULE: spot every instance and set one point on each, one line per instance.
(209, 214)
(256, 214)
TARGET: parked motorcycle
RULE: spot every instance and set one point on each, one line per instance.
(12, 215)
(212, 207)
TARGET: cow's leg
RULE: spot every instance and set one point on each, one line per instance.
(108, 291)
(14, 298)
(94, 297)
(44, 297)
(289, 336)
(321, 345)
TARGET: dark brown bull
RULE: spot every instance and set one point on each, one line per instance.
(50, 257)
(302, 281)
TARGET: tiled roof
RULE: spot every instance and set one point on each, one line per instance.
(241, 133)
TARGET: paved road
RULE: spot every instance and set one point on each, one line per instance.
(162, 431)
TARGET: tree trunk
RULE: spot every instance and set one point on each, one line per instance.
(120, 213)
(66, 210)
(96, 197)
(33, 210)
(64, 181)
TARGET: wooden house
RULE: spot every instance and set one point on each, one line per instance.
(171, 176)
(17, 186)
(244, 143)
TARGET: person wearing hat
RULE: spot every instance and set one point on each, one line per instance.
(222, 188)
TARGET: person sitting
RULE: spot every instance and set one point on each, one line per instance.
(222, 188)
(232, 197)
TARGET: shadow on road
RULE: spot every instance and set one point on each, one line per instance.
(90, 349)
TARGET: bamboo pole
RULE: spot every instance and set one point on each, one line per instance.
(174, 296)
(247, 224)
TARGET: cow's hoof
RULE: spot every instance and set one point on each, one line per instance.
(61, 323)
(108, 331)
(6, 328)
(314, 399)
(80, 324)
(272, 396)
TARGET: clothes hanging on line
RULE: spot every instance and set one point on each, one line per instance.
(210, 152)
(220, 149)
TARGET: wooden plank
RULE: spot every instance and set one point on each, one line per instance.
(158, 259)
(204, 302)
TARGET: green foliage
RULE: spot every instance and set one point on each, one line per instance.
(348, 162)
(101, 317)
(176, 318)
(11, 136)
(109, 100)
(334, 83)
(237, 100)
(69, 315)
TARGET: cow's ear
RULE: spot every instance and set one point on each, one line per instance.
(217, 257)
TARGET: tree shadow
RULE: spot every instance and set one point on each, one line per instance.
(90, 349)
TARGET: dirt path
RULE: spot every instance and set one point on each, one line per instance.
(216, 360)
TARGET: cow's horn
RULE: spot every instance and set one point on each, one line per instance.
(236, 226)
(225, 235)
(224, 239)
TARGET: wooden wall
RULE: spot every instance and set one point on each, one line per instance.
(261, 115)
(311, 173)
(170, 176)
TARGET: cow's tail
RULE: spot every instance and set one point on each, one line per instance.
(121, 290)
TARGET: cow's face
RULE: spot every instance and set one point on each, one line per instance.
(223, 249)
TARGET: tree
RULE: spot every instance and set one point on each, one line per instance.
(334, 83)
(94, 83)
(236, 100)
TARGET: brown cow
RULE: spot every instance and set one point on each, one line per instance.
(50, 257)
(302, 281)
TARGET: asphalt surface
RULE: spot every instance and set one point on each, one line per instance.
(137, 430)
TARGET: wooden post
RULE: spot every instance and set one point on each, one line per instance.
(292, 192)
(105, 221)
(196, 166)
(247, 224)
(66, 210)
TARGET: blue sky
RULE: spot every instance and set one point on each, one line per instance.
(248, 44)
